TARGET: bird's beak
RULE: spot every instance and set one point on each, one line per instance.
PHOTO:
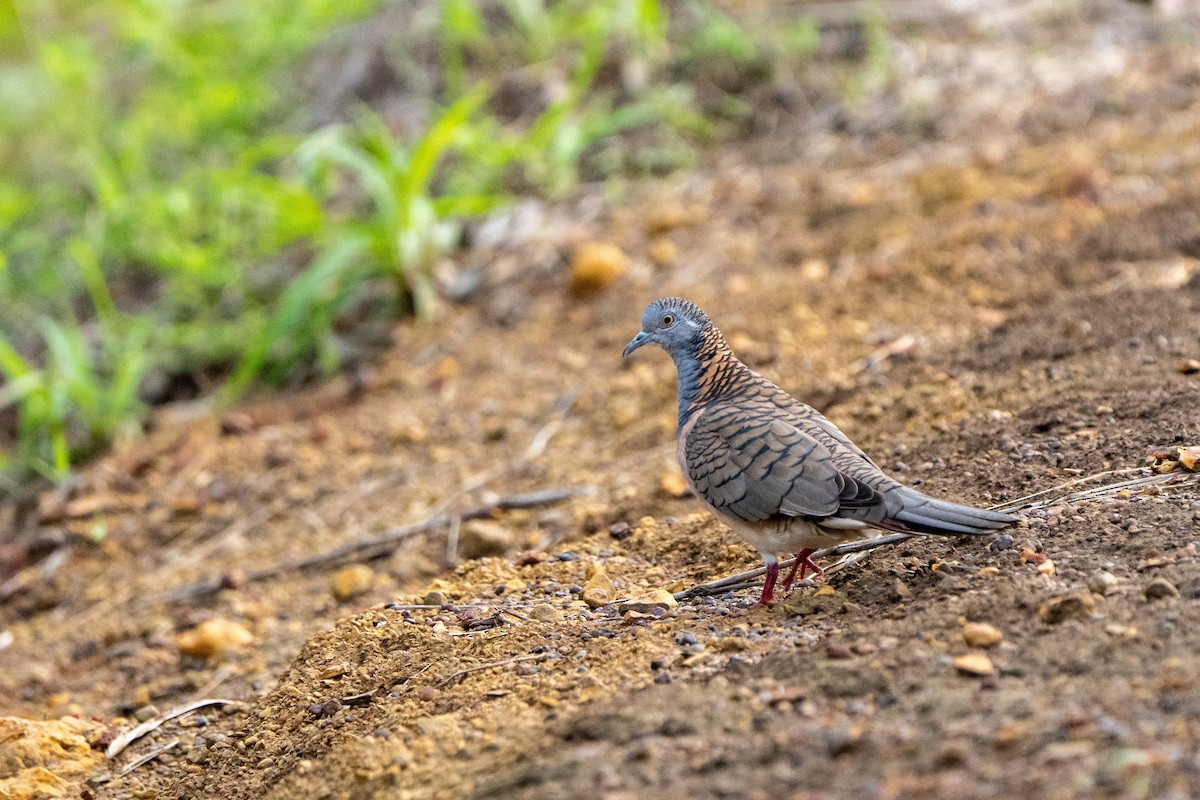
(635, 343)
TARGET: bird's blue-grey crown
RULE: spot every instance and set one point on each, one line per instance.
(674, 324)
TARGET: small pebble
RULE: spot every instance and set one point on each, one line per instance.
(351, 582)
(545, 613)
(1004, 541)
(596, 265)
(212, 637)
(145, 712)
(981, 634)
(1073, 606)
(838, 652)
(1160, 588)
(974, 664)
(1102, 582)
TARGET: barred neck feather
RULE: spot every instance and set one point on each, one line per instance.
(707, 372)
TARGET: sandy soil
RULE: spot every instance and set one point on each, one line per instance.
(1040, 247)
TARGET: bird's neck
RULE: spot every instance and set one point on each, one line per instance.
(707, 372)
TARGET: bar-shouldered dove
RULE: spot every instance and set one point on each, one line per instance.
(774, 469)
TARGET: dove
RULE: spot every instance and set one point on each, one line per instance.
(773, 468)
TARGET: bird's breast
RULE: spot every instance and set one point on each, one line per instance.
(685, 430)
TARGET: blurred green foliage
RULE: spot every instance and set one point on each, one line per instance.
(167, 210)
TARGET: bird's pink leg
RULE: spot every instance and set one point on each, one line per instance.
(803, 563)
(768, 592)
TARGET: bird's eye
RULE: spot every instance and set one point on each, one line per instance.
(667, 320)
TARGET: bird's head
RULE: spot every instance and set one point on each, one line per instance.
(674, 324)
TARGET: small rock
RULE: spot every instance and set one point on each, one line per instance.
(667, 215)
(47, 758)
(838, 652)
(1004, 541)
(1102, 582)
(620, 530)
(1080, 605)
(434, 598)
(663, 252)
(1010, 734)
(352, 581)
(212, 637)
(1124, 631)
(864, 648)
(543, 612)
(1160, 588)
(237, 424)
(632, 617)
(672, 484)
(656, 599)
(595, 598)
(1032, 556)
(595, 266)
(429, 693)
(1046, 567)
(332, 671)
(479, 538)
(145, 712)
(814, 270)
(598, 589)
(1190, 366)
(974, 664)
(981, 634)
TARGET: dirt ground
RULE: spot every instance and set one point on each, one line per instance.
(999, 301)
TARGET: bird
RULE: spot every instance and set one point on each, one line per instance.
(774, 469)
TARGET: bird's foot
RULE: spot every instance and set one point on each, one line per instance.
(803, 563)
(768, 592)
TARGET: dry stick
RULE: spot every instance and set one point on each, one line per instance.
(368, 548)
(147, 758)
(1016, 504)
(733, 582)
(537, 446)
(42, 571)
(127, 738)
(724, 584)
(451, 556)
(502, 663)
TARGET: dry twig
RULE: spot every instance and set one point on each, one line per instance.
(734, 581)
(365, 549)
(146, 758)
(492, 665)
(744, 580)
(130, 736)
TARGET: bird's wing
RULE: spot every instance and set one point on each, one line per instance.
(754, 462)
(817, 425)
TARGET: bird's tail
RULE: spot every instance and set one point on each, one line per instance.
(919, 513)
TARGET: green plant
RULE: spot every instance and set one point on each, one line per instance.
(398, 236)
(164, 215)
(877, 69)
